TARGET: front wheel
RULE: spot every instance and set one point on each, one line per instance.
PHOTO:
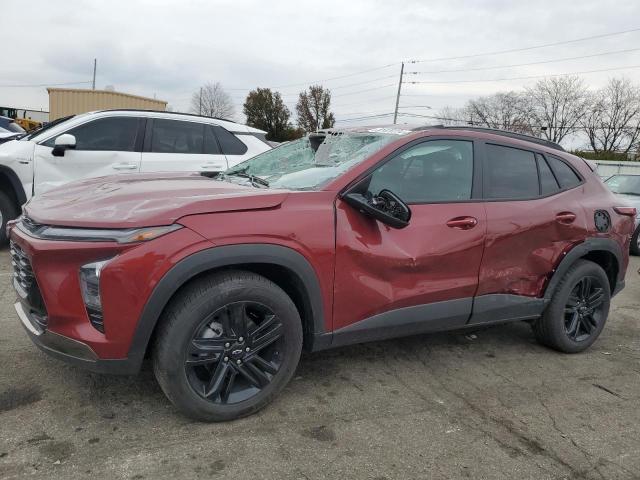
(227, 345)
(578, 309)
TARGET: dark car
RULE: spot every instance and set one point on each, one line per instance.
(344, 236)
(627, 187)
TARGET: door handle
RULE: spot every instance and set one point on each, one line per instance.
(565, 218)
(462, 223)
(124, 166)
(211, 165)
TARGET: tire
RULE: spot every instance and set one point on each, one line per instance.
(634, 248)
(566, 309)
(8, 211)
(199, 339)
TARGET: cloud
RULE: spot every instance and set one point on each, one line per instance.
(170, 48)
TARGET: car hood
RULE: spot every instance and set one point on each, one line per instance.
(141, 200)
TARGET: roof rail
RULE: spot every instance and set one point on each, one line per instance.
(505, 133)
(164, 111)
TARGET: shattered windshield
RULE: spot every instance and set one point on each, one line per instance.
(312, 161)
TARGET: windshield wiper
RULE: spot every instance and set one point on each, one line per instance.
(255, 181)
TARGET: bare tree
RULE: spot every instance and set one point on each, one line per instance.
(452, 117)
(212, 101)
(505, 111)
(313, 109)
(612, 123)
(554, 107)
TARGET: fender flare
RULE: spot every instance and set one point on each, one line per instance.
(16, 184)
(579, 251)
(223, 256)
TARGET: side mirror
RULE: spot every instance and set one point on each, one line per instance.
(63, 143)
(386, 207)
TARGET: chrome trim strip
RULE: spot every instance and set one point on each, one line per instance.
(24, 318)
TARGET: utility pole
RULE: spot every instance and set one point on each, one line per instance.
(395, 113)
(95, 64)
(200, 109)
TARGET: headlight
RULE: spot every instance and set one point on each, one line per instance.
(129, 235)
(90, 287)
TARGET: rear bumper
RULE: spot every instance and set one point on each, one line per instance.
(70, 350)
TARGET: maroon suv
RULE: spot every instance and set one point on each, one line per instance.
(341, 237)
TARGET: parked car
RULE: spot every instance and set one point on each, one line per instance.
(9, 129)
(6, 135)
(118, 141)
(344, 236)
(627, 187)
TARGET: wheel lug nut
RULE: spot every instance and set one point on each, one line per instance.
(226, 359)
(227, 345)
(238, 361)
(247, 349)
(241, 339)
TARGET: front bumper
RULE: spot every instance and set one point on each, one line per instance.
(70, 350)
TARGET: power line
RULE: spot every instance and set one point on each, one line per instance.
(533, 47)
(479, 123)
(365, 90)
(526, 77)
(369, 117)
(526, 64)
(302, 84)
(34, 85)
(377, 99)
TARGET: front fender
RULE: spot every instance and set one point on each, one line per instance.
(224, 256)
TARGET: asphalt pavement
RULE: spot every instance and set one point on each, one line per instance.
(491, 403)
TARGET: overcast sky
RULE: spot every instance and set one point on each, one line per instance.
(169, 48)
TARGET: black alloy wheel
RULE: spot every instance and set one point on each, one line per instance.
(578, 310)
(584, 309)
(235, 352)
(227, 343)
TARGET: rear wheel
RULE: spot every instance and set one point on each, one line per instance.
(578, 309)
(227, 345)
(8, 211)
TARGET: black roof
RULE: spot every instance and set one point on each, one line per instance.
(504, 133)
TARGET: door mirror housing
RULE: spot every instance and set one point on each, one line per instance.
(386, 207)
(63, 143)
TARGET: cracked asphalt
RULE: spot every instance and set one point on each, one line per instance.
(485, 404)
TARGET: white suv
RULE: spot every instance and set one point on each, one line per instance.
(118, 141)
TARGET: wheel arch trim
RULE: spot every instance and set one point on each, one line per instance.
(15, 184)
(579, 251)
(220, 257)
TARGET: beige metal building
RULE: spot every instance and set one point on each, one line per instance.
(71, 101)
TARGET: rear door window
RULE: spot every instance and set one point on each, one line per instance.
(548, 183)
(229, 143)
(211, 146)
(175, 136)
(510, 173)
(564, 173)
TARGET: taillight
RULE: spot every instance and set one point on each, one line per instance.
(626, 211)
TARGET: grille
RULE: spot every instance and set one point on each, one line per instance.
(24, 281)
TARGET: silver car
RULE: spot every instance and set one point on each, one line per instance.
(627, 187)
